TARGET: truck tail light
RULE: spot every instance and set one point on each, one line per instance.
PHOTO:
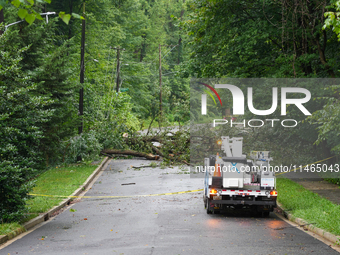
(273, 193)
(213, 191)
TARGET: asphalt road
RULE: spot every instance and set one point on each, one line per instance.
(166, 224)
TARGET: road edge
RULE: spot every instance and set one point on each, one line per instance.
(45, 216)
(318, 231)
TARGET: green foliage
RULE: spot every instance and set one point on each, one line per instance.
(14, 189)
(36, 109)
(85, 145)
(65, 17)
(174, 146)
(29, 11)
(333, 17)
(260, 39)
(49, 64)
(327, 119)
(22, 114)
(333, 180)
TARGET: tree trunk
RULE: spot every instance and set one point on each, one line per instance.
(2, 19)
(322, 56)
(131, 152)
(71, 21)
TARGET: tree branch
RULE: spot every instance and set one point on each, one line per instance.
(132, 153)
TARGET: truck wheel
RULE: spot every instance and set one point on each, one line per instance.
(207, 206)
(217, 211)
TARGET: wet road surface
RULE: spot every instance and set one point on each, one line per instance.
(165, 224)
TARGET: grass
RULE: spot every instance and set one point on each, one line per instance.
(61, 181)
(7, 228)
(305, 204)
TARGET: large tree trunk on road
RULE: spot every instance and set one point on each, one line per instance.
(131, 152)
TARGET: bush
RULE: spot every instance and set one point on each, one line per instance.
(85, 145)
(14, 189)
(333, 180)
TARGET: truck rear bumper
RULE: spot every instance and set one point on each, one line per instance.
(241, 202)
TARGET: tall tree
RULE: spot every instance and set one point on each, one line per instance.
(2, 19)
(23, 114)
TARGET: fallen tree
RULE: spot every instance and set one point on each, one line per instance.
(172, 147)
(131, 152)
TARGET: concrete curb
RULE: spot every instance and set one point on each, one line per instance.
(3, 239)
(45, 216)
(323, 233)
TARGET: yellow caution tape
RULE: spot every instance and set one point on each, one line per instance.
(149, 195)
(306, 165)
(161, 194)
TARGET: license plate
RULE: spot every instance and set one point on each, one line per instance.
(217, 198)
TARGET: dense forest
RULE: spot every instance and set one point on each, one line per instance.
(274, 39)
(138, 57)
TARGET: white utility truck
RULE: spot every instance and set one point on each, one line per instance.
(233, 181)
